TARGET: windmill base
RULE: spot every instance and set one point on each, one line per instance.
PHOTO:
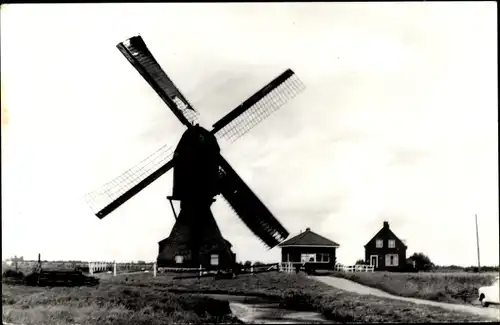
(195, 240)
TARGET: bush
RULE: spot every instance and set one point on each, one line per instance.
(58, 278)
(422, 261)
(13, 274)
(12, 277)
(297, 300)
(408, 268)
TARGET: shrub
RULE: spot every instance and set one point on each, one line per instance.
(422, 261)
(297, 300)
(13, 274)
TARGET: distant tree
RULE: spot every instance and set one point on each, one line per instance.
(360, 262)
(141, 262)
(247, 264)
(258, 263)
(421, 261)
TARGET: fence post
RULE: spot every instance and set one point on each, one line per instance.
(90, 269)
(154, 269)
(200, 270)
(251, 268)
(114, 268)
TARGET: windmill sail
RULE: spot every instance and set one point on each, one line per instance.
(119, 190)
(137, 53)
(249, 208)
(259, 106)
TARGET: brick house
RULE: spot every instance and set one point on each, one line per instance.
(317, 251)
(386, 251)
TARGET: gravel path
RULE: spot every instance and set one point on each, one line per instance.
(347, 285)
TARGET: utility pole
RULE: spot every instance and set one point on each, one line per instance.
(15, 262)
(477, 239)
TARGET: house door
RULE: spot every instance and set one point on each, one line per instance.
(374, 260)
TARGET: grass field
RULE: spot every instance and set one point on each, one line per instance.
(108, 304)
(142, 299)
(455, 287)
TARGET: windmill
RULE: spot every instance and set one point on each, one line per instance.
(200, 172)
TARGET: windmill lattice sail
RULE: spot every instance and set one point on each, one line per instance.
(115, 192)
(249, 208)
(137, 53)
(259, 106)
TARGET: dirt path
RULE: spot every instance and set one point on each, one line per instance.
(347, 285)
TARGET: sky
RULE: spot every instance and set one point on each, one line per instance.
(398, 123)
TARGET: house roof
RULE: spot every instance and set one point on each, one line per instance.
(384, 232)
(308, 238)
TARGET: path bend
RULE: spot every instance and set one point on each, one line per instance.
(351, 286)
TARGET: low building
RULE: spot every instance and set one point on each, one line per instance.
(385, 251)
(318, 251)
(208, 258)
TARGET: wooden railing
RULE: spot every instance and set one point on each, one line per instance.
(354, 268)
(289, 267)
(113, 267)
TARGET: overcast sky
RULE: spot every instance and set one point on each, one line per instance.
(398, 122)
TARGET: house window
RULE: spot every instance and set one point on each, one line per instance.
(179, 259)
(379, 243)
(392, 243)
(214, 259)
(307, 258)
(323, 257)
(391, 260)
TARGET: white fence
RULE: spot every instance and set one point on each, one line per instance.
(289, 267)
(103, 266)
(354, 268)
(100, 266)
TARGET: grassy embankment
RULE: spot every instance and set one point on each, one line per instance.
(142, 299)
(455, 287)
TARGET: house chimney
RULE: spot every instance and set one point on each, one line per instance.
(386, 224)
(308, 229)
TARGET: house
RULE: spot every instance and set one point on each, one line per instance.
(386, 251)
(316, 250)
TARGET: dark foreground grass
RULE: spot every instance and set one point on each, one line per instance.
(142, 299)
(109, 303)
(456, 287)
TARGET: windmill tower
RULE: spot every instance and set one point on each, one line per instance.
(200, 171)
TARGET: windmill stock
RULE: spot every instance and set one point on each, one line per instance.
(200, 173)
